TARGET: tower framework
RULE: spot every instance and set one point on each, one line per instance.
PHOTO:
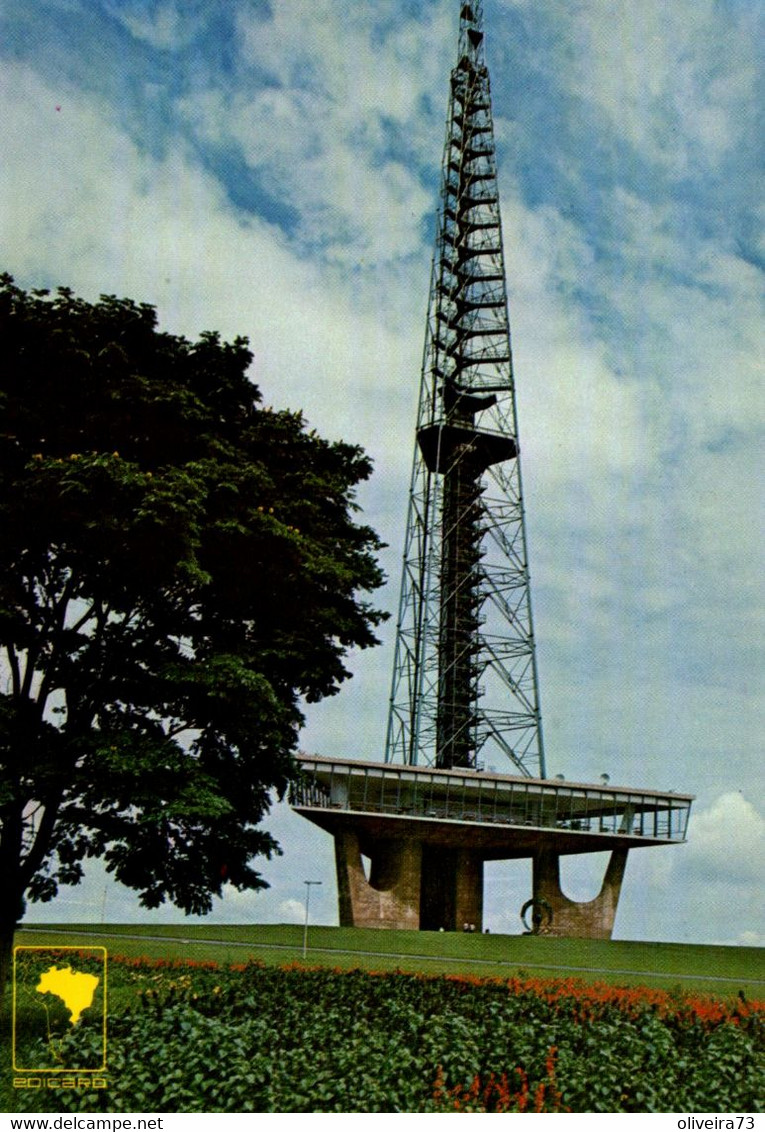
(465, 687)
(464, 698)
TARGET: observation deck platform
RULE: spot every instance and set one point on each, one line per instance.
(426, 834)
(501, 816)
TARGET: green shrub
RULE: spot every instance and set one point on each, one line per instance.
(264, 1039)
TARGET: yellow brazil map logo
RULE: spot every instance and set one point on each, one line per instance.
(59, 1009)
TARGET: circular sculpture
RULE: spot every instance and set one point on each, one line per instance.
(541, 915)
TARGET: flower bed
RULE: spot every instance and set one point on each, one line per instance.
(187, 1037)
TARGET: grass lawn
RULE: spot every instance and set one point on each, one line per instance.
(712, 969)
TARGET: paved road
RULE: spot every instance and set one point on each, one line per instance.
(253, 945)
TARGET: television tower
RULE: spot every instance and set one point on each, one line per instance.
(465, 690)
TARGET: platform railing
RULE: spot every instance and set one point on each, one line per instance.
(394, 792)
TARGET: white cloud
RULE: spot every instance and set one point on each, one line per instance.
(87, 208)
(166, 27)
(672, 80)
(707, 891)
(728, 841)
(365, 59)
(751, 939)
(342, 82)
(581, 422)
(291, 912)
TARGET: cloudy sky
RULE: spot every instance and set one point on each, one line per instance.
(270, 168)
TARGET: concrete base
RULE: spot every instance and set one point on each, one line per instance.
(416, 886)
(560, 916)
(410, 885)
(391, 896)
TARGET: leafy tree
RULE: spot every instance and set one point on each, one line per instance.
(179, 569)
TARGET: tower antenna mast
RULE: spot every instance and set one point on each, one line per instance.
(465, 684)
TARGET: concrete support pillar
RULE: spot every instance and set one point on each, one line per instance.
(391, 896)
(468, 901)
(593, 919)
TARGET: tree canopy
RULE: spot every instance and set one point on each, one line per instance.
(180, 568)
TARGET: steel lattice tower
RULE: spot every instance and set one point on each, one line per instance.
(412, 834)
(465, 685)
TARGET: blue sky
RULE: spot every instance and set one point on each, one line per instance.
(271, 169)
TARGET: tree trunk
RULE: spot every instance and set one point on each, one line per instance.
(7, 930)
(12, 905)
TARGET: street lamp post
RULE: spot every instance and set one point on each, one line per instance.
(307, 884)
